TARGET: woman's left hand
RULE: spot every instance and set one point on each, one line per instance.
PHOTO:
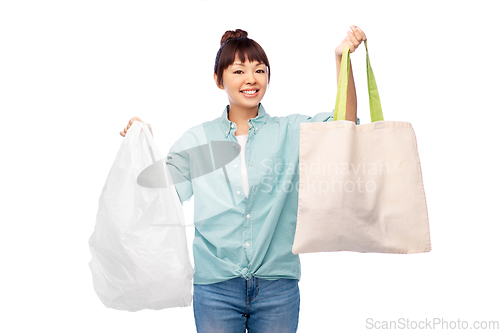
(353, 39)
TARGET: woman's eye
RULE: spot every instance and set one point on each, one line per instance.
(238, 72)
(260, 71)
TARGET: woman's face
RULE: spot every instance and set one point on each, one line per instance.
(245, 83)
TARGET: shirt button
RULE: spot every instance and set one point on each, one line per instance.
(248, 216)
(232, 125)
(253, 187)
(238, 192)
(250, 165)
(256, 128)
(227, 132)
(236, 165)
(247, 245)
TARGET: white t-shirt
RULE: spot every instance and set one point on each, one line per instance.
(242, 140)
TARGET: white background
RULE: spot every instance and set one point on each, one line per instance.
(72, 73)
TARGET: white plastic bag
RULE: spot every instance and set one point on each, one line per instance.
(139, 250)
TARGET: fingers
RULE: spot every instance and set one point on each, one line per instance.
(353, 40)
(124, 132)
(358, 33)
(352, 48)
(355, 37)
(131, 121)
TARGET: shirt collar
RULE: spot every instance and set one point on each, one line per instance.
(254, 123)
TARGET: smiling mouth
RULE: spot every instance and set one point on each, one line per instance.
(250, 93)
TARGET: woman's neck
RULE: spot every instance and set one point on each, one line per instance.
(240, 116)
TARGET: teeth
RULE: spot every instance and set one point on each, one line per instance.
(249, 92)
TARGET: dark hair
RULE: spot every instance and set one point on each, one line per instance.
(236, 43)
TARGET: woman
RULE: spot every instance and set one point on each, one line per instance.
(245, 275)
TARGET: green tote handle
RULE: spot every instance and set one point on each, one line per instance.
(340, 103)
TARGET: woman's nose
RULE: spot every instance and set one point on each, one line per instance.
(250, 78)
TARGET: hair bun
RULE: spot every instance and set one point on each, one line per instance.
(232, 34)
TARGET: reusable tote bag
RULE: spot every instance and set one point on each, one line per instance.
(139, 251)
(360, 186)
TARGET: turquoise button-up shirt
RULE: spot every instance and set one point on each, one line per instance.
(236, 236)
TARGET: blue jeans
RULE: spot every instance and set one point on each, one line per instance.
(235, 305)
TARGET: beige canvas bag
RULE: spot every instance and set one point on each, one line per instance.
(360, 186)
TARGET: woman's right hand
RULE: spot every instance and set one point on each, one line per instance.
(130, 122)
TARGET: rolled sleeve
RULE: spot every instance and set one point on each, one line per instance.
(319, 117)
(179, 168)
(294, 120)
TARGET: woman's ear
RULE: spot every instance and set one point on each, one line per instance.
(221, 87)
